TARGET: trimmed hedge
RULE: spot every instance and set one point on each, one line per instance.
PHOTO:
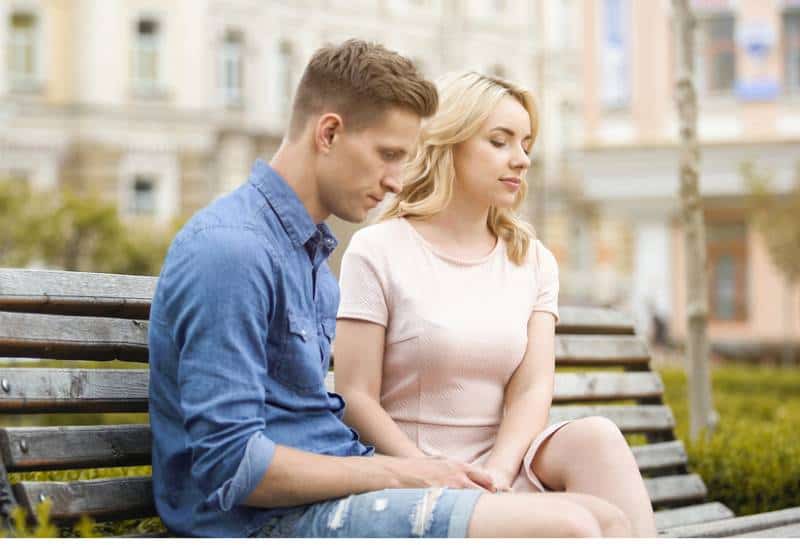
(752, 462)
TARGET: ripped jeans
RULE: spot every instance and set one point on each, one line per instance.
(397, 512)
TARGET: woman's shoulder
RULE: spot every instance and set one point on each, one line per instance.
(378, 235)
(540, 257)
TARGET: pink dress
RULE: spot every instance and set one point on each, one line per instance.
(456, 331)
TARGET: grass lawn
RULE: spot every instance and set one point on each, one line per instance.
(752, 462)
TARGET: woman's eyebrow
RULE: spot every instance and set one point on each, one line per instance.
(509, 132)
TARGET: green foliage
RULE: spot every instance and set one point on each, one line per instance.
(752, 462)
(777, 218)
(75, 232)
(43, 528)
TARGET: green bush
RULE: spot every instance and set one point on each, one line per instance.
(752, 462)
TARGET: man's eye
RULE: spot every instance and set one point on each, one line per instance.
(498, 144)
(390, 155)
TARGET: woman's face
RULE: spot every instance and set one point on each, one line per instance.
(491, 165)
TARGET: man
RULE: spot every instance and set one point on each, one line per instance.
(246, 439)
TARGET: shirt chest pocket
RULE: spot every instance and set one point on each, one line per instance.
(300, 365)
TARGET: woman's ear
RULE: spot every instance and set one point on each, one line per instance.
(329, 127)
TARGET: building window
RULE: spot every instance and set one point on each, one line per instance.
(146, 46)
(791, 51)
(285, 75)
(716, 70)
(727, 259)
(22, 54)
(232, 69)
(615, 54)
(142, 200)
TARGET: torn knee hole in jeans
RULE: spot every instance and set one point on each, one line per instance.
(339, 514)
(422, 517)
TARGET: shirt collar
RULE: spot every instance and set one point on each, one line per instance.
(290, 210)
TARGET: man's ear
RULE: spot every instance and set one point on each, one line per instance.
(329, 128)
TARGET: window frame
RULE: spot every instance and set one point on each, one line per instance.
(790, 86)
(738, 250)
(28, 81)
(231, 57)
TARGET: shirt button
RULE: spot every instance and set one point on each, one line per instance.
(303, 334)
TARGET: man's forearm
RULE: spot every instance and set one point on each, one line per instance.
(296, 477)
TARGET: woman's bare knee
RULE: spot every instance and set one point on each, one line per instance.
(615, 523)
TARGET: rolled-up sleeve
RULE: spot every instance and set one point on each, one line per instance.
(222, 295)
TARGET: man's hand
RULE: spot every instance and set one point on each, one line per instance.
(439, 472)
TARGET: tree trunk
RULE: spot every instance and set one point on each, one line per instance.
(788, 321)
(701, 411)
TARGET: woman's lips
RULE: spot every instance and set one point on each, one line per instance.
(511, 183)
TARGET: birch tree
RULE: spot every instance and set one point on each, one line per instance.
(701, 411)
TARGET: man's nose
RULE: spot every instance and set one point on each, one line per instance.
(392, 184)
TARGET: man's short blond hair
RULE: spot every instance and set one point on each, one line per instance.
(360, 80)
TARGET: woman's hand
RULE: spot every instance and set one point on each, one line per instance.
(501, 480)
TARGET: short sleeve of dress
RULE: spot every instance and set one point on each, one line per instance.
(546, 280)
(362, 283)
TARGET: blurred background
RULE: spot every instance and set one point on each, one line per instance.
(120, 118)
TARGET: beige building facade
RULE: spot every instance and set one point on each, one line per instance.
(748, 79)
(163, 106)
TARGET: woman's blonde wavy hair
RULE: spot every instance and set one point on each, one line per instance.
(465, 102)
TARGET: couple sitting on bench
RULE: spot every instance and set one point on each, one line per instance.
(446, 327)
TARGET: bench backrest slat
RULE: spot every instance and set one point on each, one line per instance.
(86, 294)
(72, 337)
(101, 499)
(68, 337)
(43, 390)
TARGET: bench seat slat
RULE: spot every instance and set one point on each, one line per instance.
(738, 525)
(693, 514)
(629, 418)
(43, 390)
(68, 447)
(101, 499)
(675, 489)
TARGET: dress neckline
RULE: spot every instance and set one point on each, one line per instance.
(447, 257)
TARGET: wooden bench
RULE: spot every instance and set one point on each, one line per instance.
(54, 315)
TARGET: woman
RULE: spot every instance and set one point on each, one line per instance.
(445, 338)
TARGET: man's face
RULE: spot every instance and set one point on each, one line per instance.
(362, 166)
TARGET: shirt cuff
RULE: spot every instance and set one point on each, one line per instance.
(257, 457)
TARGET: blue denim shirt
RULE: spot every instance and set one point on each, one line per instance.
(240, 333)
